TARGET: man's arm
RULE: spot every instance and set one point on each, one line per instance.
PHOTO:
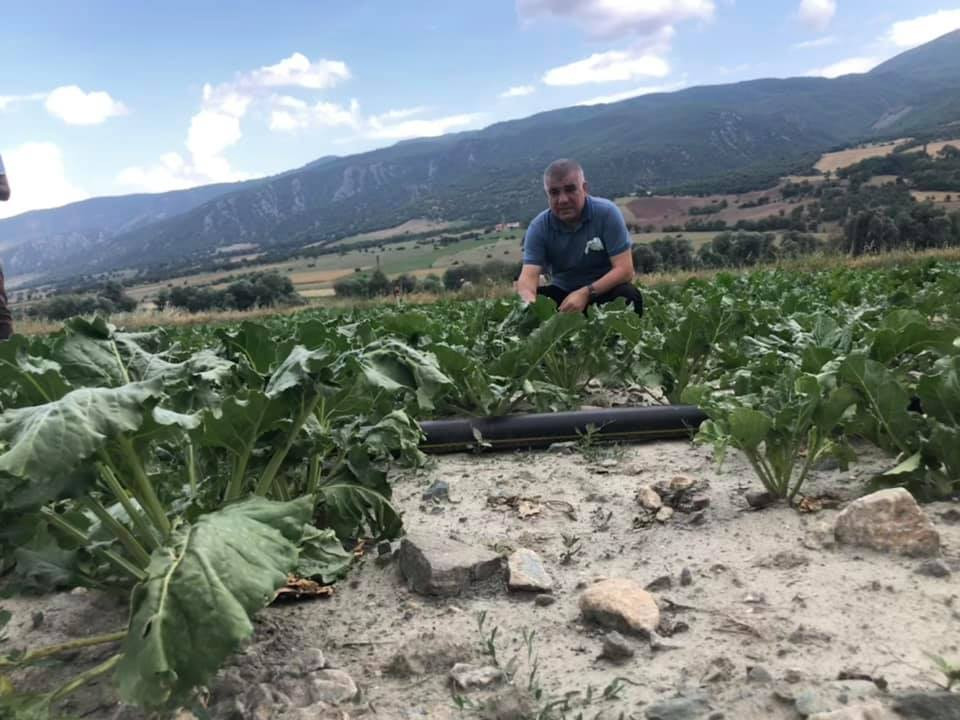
(620, 272)
(4, 188)
(528, 282)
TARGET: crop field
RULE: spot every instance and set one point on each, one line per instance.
(831, 162)
(204, 470)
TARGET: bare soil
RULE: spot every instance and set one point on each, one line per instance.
(763, 593)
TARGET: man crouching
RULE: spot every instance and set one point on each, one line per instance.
(581, 242)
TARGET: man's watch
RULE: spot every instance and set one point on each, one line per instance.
(592, 290)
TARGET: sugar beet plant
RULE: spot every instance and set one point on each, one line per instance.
(199, 483)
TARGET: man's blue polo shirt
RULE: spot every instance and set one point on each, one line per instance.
(577, 256)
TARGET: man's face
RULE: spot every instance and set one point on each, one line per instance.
(567, 196)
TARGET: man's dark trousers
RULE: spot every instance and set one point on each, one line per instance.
(626, 291)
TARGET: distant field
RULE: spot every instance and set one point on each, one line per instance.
(878, 180)
(934, 148)
(411, 227)
(831, 162)
(665, 210)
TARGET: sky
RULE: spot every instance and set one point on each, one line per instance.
(111, 97)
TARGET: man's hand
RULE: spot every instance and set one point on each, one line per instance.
(576, 301)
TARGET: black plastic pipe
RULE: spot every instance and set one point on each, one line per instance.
(542, 429)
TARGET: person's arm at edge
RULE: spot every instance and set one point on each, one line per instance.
(534, 259)
(528, 282)
(4, 188)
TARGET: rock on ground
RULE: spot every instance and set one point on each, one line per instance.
(441, 566)
(620, 604)
(466, 676)
(889, 520)
(525, 572)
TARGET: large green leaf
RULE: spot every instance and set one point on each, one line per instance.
(299, 368)
(201, 591)
(940, 392)
(531, 351)
(256, 344)
(883, 401)
(35, 379)
(45, 443)
(322, 557)
(394, 366)
(749, 427)
(349, 508)
(88, 354)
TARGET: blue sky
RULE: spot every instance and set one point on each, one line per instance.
(107, 97)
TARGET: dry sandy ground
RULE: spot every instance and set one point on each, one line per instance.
(763, 594)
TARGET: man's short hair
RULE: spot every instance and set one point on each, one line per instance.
(560, 169)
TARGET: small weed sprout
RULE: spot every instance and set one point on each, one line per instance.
(571, 548)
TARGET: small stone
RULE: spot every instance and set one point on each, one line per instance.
(467, 676)
(758, 674)
(544, 600)
(620, 604)
(440, 566)
(929, 706)
(562, 446)
(664, 514)
(526, 572)
(686, 577)
(697, 518)
(870, 711)
(440, 490)
(384, 548)
(608, 463)
(696, 504)
(934, 568)
(616, 648)
(693, 707)
(888, 520)
(759, 499)
(664, 582)
(648, 498)
(680, 484)
(332, 686)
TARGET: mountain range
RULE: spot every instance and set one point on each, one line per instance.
(742, 132)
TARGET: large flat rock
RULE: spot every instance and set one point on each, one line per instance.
(435, 565)
(889, 521)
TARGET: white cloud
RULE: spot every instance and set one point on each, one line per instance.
(76, 107)
(379, 127)
(518, 91)
(611, 66)
(38, 179)
(846, 67)
(818, 42)
(291, 114)
(618, 18)
(298, 71)
(910, 33)
(817, 13)
(636, 92)
(217, 126)
(8, 101)
(402, 113)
